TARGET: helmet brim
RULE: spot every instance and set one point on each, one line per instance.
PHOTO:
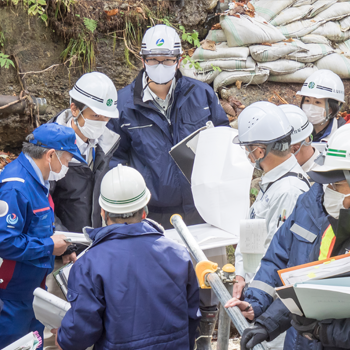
(315, 95)
(326, 176)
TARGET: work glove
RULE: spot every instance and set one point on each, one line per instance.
(252, 336)
(307, 327)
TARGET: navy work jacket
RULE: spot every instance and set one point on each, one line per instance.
(133, 289)
(297, 242)
(147, 137)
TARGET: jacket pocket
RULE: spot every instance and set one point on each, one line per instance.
(41, 224)
(71, 295)
(196, 116)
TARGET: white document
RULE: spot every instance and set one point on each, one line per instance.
(207, 236)
(292, 306)
(49, 309)
(221, 179)
(253, 234)
(329, 269)
(28, 342)
(74, 237)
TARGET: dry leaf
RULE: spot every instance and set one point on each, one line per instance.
(216, 26)
(234, 102)
(281, 98)
(190, 52)
(111, 12)
(238, 84)
(228, 108)
(208, 45)
(290, 40)
(139, 10)
(271, 99)
(267, 44)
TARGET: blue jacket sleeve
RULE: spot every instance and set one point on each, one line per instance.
(261, 292)
(82, 325)
(335, 333)
(218, 115)
(193, 304)
(121, 154)
(14, 244)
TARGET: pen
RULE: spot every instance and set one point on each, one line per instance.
(279, 220)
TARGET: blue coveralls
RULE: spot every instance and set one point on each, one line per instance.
(297, 242)
(26, 224)
(133, 289)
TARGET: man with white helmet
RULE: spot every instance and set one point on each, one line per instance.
(301, 137)
(133, 288)
(158, 110)
(93, 103)
(308, 235)
(265, 132)
(323, 95)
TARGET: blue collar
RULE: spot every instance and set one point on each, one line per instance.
(38, 173)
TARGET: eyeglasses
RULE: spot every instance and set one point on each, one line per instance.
(154, 62)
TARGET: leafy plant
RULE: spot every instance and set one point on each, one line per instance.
(2, 38)
(216, 68)
(37, 7)
(193, 63)
(5, 61)
(90, 24)
(191, 38)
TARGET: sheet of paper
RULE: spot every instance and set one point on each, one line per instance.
(253, 234)
(221, 179)
(251, 262)
(207, 236)
(325, 270)
(49, 309)
(29, 342)
(75, 237)
(292, 306)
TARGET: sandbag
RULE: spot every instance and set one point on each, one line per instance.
(299, 28)
(320, 6)
(304, 2)
(228, 65)
(256, 77)
(291, 14)
(337, 63)
(334, 12)
(314, 53)
(245, 31)
(263, 53)
(205, 77)
(315, 39)
(332, 31)
(280, 67)
(344, 48)
(298, 77)
(269, 9)
(222, 52)
(345, 24)
(216, 35)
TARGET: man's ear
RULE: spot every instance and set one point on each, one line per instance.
(144, 215)
(74, 109)
(294, 148)
(103, 213)
(143, 62)
(49, 154)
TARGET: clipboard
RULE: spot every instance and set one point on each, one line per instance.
(282, 273)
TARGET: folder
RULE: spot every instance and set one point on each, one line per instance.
(74, 237)
(319, 299)
(61, 277)
(28, 342)
(184, 152)
(332, 267)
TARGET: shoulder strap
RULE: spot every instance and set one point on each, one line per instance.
(290, 174)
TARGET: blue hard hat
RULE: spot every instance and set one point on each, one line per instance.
(58, 137)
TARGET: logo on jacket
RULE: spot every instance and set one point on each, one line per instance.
(12, 219)
(160, 42)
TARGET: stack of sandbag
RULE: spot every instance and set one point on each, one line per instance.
(276, 40)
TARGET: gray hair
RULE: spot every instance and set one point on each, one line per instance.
(34, 151)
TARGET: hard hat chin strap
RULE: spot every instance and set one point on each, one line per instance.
(347, 176)
(327, 113)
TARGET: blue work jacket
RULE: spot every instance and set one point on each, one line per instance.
(147, 137)
(26, 224)
(297, 242)
(133, 289)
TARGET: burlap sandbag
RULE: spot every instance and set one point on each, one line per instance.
(222, 52)
(291, 14)
(333, 32)
(334, 12)
(299, 28)
(314, 53)
(205, 77)
(281, 67)
(228, 65)
(216, 35)
(337, 63)
(298, 77)
(264, 53)
(269, 9)
(315, 39)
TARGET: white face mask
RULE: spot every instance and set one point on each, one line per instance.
(315, 114)
(161, 74)
(58, 176)
(92, 129)
(333, 201)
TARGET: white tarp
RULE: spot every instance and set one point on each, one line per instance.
(221, 179)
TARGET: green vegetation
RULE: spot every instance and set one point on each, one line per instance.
(5, 61)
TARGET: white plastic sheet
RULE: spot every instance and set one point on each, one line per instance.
(221, 179)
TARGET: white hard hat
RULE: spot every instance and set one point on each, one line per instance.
(262, 122)
(123, 191)
(323, 84)
(96, 91)
(161, 40)
(298, 119)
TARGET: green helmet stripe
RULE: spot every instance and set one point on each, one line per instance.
(336, 155)
(126, 201)
(336, 150)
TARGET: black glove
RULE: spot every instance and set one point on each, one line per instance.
(307, 327)
(252, 336)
